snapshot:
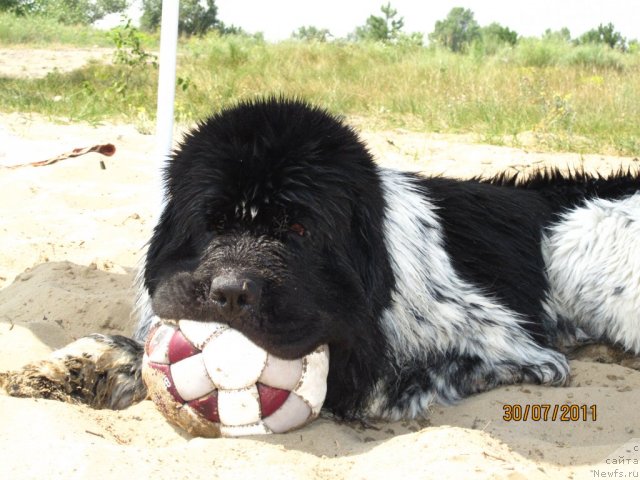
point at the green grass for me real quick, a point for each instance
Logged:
(38, 31)
(41, 31)
(584, 98)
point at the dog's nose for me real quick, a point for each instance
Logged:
(233, 296)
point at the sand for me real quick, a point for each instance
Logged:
(37, 63)
(71, 235)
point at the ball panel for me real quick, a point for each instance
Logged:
(233, 361)
(172, 408)
(193, 423)
(191, 378)
(198, 333)
(270, 398)
(165, 380)
(242, 430)
(158, 345)
(207, 406)
(294, 413)
(180, 348)
(152, 333)
(280, 373)
(239, 407)
(313, 383)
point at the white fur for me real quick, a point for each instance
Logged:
(433, 310)
(592, 256)
(142, 309)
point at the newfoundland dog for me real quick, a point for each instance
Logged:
(278, 222)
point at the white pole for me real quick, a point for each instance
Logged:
(164, 140)
(166, 87)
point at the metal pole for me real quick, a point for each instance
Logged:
(164, 141)
(166, 87)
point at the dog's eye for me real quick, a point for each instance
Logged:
(217, 224)
(297, 228)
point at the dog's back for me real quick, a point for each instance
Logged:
(561, 249)
(563, 190)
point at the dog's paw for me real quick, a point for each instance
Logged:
(102, 371)
(633, 362)
(41, 380)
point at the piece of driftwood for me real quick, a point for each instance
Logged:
(107, 149)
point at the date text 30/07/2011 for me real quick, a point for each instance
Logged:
(546, 412)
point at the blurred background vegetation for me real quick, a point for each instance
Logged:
(560, 92)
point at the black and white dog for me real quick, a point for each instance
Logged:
(278, 222)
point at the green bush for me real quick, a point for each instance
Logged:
(596, 56)
(67, 12)
(553, 51)
(535, 52)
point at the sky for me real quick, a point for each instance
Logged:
(277, 19)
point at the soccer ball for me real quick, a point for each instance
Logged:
(213, 381)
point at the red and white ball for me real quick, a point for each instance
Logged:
(212, 381)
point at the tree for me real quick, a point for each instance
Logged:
(225, 29)
(492, 40)
(564, 34)
(311, 33)
(196, 16)
(151, 15)
(83, 12)
(496, 33)
(381, 29)
(457, 31)
(604, 34)
(11, 6)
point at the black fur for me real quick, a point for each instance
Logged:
(493, 238)
(293, 165)
(565, 190)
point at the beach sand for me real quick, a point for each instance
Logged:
(71, 235)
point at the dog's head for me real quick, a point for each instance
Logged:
(273, 225)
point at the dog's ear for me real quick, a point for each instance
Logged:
(356, 359)
(171, 245)
(369, 251)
